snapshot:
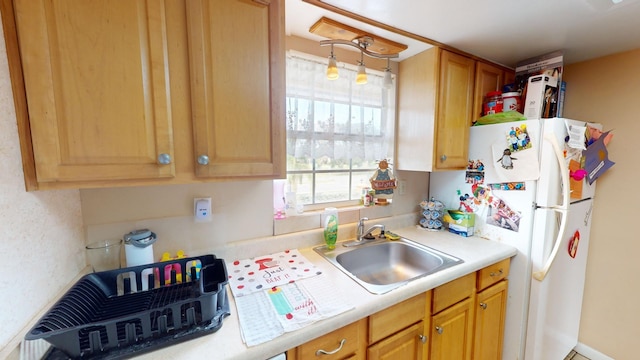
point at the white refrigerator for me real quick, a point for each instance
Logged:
(518, 185)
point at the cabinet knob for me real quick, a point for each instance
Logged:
(203, 160)
(324, 352)
(423, 339)
(439, 330)
(164, 159)
(483, 306)
(499, 273)
(443, 158)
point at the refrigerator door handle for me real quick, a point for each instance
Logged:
(563, 209)
(540, 275)
(562, 168)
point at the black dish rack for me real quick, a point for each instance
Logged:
(124, 312)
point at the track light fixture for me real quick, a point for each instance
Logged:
(332, 68)
(361, 44)
(387, 81)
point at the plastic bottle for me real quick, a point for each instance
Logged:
(330, 227)
(290, 203)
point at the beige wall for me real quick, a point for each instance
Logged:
(607, 90)
(40, 233)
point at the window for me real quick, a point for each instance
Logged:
(337, 130)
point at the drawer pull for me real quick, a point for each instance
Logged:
(439, 330)
(499, 273)
(422, 338)
(323, 352)
(483, 306)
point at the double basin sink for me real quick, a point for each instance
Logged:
(382, 265)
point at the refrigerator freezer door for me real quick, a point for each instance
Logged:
(556, 302)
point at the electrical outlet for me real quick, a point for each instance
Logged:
(402, 187)
(202, 209)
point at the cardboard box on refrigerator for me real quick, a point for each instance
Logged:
(541, 97)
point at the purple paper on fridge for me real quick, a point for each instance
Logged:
(597, 159)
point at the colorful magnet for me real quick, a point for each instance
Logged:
(573, 244)
(508, 186)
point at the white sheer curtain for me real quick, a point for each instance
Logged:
(336, 122)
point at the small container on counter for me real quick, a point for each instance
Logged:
(138, 246)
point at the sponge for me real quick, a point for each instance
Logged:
(391, 236)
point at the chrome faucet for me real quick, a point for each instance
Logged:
(362, 236)
(360, 232)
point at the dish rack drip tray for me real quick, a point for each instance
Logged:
(118, 313)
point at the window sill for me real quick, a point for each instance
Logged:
(314, 219)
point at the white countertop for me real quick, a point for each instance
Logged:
(227, 343)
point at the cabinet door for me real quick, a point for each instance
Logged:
(455, 106)
(97, 88)
(407, 344)
(491, 305)
(488, 78)
(236, 51)
(452, 332)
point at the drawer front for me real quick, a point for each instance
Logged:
(493, 273)
(326, 347)
(453, 292)
(397, 317)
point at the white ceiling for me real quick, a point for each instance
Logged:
(504, 31)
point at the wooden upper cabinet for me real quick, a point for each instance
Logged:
(454, 111)
(434, 106)
(488, 78)
(97, 89)
(236, 51)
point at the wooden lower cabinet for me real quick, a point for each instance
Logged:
(491, 308)
(452, 332)
(452, 320)
(460, 320)
(409, 343)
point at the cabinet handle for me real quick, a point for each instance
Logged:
(483, 306)
(422, 338)
(499, 273)
(164, 159)
(323, 352)
(203, 160)
(439, 330)
(443, 158)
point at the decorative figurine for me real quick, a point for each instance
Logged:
(383, 182)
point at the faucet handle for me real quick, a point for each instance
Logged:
(363, 219)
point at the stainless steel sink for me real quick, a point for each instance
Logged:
(382, 265)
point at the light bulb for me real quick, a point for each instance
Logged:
(332, 68)
(361, 77)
